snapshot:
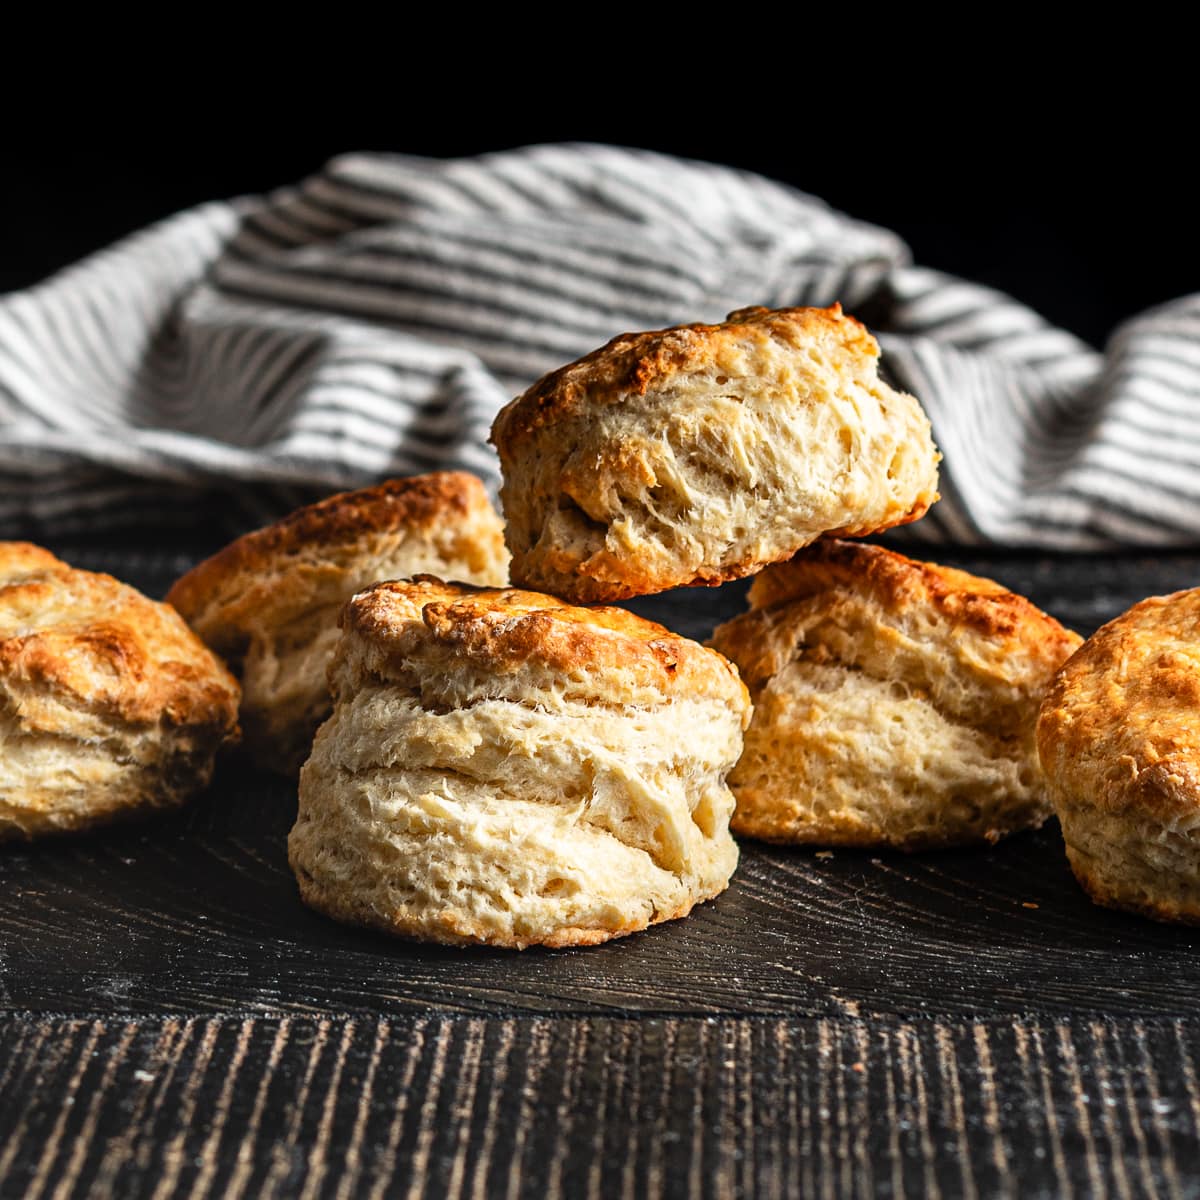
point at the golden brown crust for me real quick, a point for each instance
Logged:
(970, 602)
(19, 559)
(332, 529)
(109, 705)
(630, 364)
(503, 629)
(89, 641)
(1120, 723)
(698, 454)
(850, 835)
(1100, 890)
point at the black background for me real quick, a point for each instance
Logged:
(1056, 174)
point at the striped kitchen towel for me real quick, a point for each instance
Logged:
(372, 320)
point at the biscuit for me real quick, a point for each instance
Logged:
(503, 768)
(109, 706)
(1119, 738)
(701, 453)
(894, 702)
(268, 603)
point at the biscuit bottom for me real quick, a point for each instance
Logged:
(561, 822)
(63, 783)
(1140, 866)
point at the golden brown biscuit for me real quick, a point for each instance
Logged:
(1119, 738)
(698, 454)
(894, 702)
(109, 706)
(268, 603)
(503, 768)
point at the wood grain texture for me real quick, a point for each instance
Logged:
(201, 915)
(345, 1106)
(173, 1022)
(199, 912)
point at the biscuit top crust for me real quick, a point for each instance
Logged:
(896, 582)
(505, 631)
(88, 642)
(330, 531)
(1121, 724)
(632, 364)
(1001, 622)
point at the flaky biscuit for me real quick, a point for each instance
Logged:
(503, 768)
(701, 453)
(894, 702)
(1119, 738)
(268, 603)
(109, 706)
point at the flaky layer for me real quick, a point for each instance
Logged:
(504, 814)
(1127, 861)
(1120, 743)
(269, 602)
(66, 783)
(894, 702)
(109, 706)
(698, 454)
(838, 758)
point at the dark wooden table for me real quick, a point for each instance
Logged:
(175, 1023)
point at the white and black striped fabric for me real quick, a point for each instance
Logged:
(372, 320)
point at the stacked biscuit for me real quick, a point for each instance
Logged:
(894, 701)
(504, 767)
(485, 763)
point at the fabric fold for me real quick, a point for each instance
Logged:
(371, 321)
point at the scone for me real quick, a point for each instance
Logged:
(701, 453)
(895, 702)
(111, 706)
(1119, 738)
(504, 768)
(268, 603)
